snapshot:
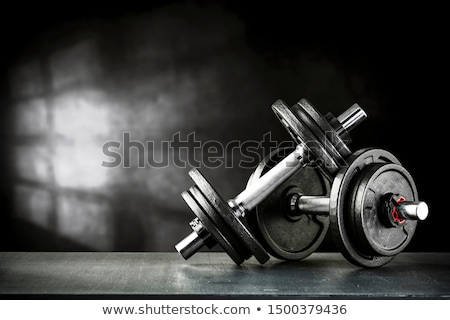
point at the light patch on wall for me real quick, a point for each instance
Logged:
(82, 115)
(81, 122)
(62, 117)
(78, 165)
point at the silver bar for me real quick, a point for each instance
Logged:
(313, 205)
(189, 245)
(413, 210)
(352, 117)
(257, 192)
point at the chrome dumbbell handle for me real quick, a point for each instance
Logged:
(250, 197)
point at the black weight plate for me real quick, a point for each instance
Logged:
(326, 127)
(303, 135)
(282, 237)
(340, 227)
(225, 230)
(229, 217)
(211, 227)
(306, 113)
(376, 181)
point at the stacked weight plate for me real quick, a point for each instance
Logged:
(221, 221)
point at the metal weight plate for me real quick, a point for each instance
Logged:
(281, 236)
(301, 133)
(375, 182)
(324, 132)
(341, 188)
(212, 229)
(325, 126)
(227, 214)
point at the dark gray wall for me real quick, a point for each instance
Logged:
(75, 82)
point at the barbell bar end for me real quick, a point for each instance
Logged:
(189, 245)
(413, 210)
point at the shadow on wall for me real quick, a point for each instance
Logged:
(173, 72)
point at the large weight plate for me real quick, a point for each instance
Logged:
(377, 180)
(341, 188)
(226, 212)
(282, 237)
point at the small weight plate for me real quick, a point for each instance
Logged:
(285, 238)
(325, 133)
(340, 227)
(326, 127)
(211, 227)
(303, 135)
(226, 212)
(377, 180)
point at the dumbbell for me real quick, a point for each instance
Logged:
(373, 209)
(322, 147)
